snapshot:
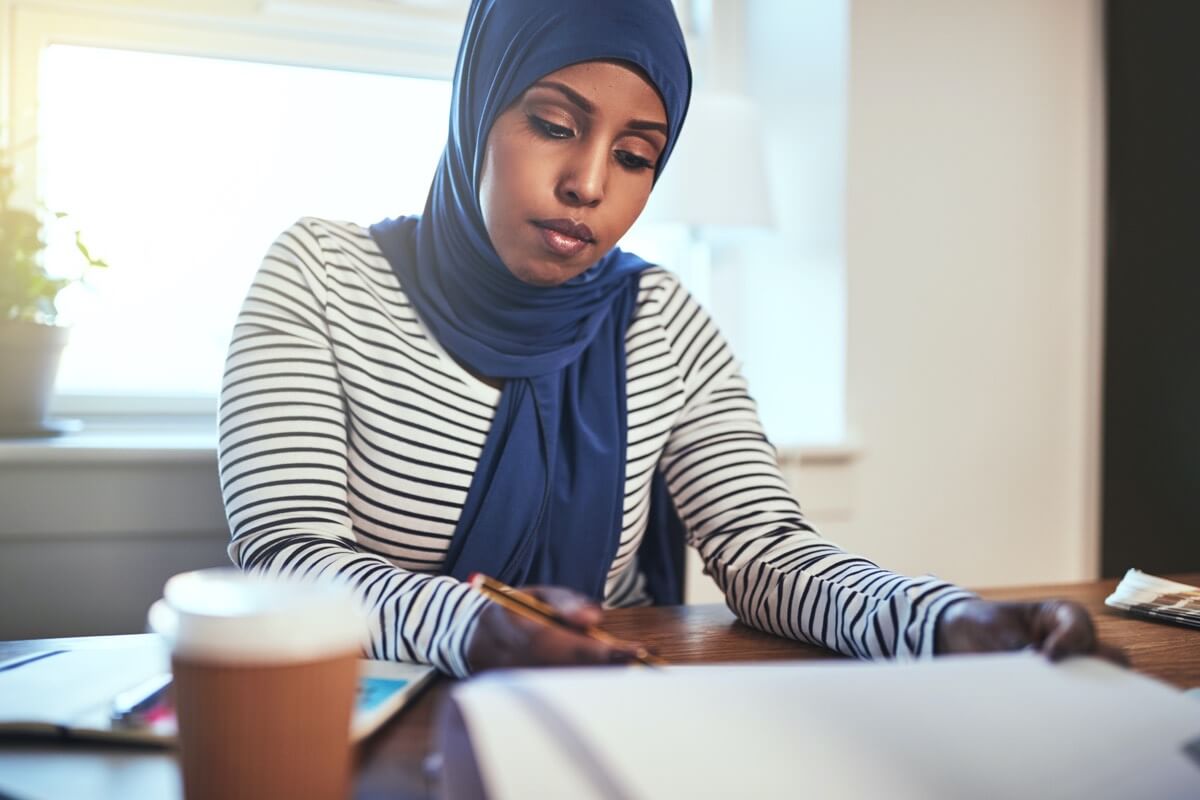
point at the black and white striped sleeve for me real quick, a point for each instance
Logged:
(283, 464)
(778, 574)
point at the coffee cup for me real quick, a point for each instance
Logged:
(265, 672)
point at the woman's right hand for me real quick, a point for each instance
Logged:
(503, 639)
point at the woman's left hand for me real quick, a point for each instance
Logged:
(1055, 628)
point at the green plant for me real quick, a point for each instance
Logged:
(26, 291)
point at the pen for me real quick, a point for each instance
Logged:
(529, 607)
(129, 707)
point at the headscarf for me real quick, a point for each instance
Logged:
(546, 502)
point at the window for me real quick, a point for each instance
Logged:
(183, 177)
(181, 137)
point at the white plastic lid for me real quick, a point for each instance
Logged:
(228, 615)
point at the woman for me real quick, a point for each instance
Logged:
(495, 386)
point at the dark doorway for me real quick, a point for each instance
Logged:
(1151, 423)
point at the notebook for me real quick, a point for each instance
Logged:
(994, 726)
(70, 693)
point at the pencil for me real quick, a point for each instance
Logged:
(529, 607)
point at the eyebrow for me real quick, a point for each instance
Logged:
(586, 105)
(647, 125)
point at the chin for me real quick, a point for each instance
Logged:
(545, 275)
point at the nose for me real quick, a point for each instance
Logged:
(584, 176)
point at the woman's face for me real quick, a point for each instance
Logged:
(568, 167)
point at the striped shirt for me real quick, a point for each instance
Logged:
(348, 438)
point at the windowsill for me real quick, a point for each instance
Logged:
(194, 438)
(120, 440)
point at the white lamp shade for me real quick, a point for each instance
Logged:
(716, 176)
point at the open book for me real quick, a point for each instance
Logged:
(1157, 598)
(71, 694)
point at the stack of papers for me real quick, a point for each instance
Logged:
(1157, 598)
(996, 726)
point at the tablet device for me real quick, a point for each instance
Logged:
(80, 694)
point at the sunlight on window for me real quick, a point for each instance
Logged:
(180, 171)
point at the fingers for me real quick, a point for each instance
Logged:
(1069, 631)
(558, 646)
(503, 639)
(1063, 629)
(565, 647)
(573, 606)
(1055, 628)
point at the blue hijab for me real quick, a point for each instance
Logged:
(546, 502)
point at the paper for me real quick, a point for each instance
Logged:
(75, 688)
(999, 726)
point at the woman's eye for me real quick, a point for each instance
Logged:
(550, 129)
(632, 162)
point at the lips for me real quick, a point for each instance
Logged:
(565, 237)
(576, 230)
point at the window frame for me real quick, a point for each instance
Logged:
(408, 42)
(408, 38)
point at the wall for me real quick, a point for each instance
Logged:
(92, 526)
(973, 229)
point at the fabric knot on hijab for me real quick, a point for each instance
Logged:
(546, 502)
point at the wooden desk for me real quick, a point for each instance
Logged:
(391, 764)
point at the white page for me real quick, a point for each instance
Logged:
(996, 726)
(76, 688)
